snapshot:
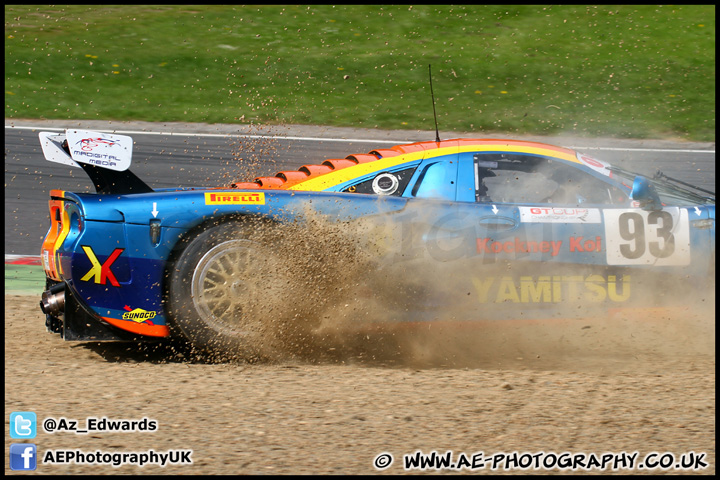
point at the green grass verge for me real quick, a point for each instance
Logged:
(641, 71)
(24, 279)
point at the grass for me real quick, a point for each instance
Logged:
(635, 71)
(24, 279)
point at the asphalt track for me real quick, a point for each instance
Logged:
(169, 155)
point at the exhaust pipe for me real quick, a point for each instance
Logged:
(53, 300)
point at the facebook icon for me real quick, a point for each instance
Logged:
(23, 456)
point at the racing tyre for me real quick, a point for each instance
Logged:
(224, 288)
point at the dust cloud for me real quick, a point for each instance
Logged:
(366, 292)
(357, 292)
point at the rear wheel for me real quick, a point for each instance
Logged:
(223, 286)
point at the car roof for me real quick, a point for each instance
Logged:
(333, 172)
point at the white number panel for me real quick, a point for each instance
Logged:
(639, 237)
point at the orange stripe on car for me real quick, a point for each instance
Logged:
(59, 228)
(423, 150)
(333, 172)
(139, 328)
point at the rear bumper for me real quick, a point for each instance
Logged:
(65, 315)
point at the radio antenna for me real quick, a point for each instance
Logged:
(437, 133)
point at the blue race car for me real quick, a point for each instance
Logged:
(502, 230)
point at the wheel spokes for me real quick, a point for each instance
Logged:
(220, 287)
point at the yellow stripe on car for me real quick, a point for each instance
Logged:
(333, 179)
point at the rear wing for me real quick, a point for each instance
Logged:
(105, 157)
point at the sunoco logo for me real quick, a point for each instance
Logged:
(138, 315)
(235, 198)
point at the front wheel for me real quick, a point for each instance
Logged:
(224, 287)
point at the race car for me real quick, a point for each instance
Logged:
(500, 229)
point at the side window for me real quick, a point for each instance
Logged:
(516, 186)
(384, 183)
(573, 187)
(508, 178)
